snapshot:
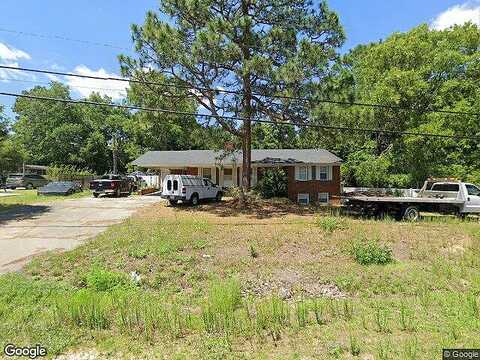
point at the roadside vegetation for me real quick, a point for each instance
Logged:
(218, 283)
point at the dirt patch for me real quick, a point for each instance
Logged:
(290, 284)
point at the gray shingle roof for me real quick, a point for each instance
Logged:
(153, 159)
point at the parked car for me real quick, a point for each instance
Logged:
(28, 181)
(60, 188)
(188, 188)
(111, 185)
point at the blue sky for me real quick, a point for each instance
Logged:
(107, 22)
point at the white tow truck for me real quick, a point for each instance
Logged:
(444, 196)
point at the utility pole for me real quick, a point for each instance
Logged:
(114, 153)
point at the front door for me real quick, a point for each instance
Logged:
(472, 205)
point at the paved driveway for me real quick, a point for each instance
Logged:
(30, 230)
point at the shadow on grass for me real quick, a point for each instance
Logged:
(10, 212)
(258, 209)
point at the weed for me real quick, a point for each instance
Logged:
(319, 310)
(138, 252)
(410, 349)
(354, 345)
(103, 280)
(347, 310)
(218, 311)
(384, 349)
(85, 309)
(301, 312)
(330, 223)
(371, 252)
(406, 318)
(253, 251)
(382, 318)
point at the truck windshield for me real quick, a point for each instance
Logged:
(472, 190)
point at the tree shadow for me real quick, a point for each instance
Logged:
(9, 212)
(258, 209)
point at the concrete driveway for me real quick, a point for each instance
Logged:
(62, 225)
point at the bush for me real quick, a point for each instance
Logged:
(104, 280)
(371, 252)
(67, 172)
(274, 183)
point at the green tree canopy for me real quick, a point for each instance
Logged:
(255, 48)
(420, 70)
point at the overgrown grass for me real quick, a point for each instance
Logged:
(195, 298)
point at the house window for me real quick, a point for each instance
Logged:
(207, 173)
(303, 199)
(302, 174)
(323, 173)
(323, 198)
(228, 177)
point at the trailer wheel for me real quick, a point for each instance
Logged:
(411, 213)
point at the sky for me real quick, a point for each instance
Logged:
(32, 34)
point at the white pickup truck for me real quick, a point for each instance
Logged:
(445, 197)
(189, 188)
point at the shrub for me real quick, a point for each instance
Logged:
(274, 183)
(104, 280)
(67, 172)
(371, 252)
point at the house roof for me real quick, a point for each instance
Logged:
(153, 159)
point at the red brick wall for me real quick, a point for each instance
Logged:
(188, 171)
(313, 187)
(192, 171)
(177, 171)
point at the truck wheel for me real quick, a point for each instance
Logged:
(218, 198)
(411, 213)
(173, 202)
(194, 200)
(29, 186)
(95, 195)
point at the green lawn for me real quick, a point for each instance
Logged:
(27, 197)
(216, 283)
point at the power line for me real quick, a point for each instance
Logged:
(190, 88)
(73, 86)
(237, 118)
(64, 38)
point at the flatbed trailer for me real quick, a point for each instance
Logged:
(455, 198)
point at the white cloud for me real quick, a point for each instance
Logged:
(85, 86)
(457, 15)
(53, 77)
(8, 53)
(9, 56)
(7, 75)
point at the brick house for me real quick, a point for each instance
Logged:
(313, 174)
